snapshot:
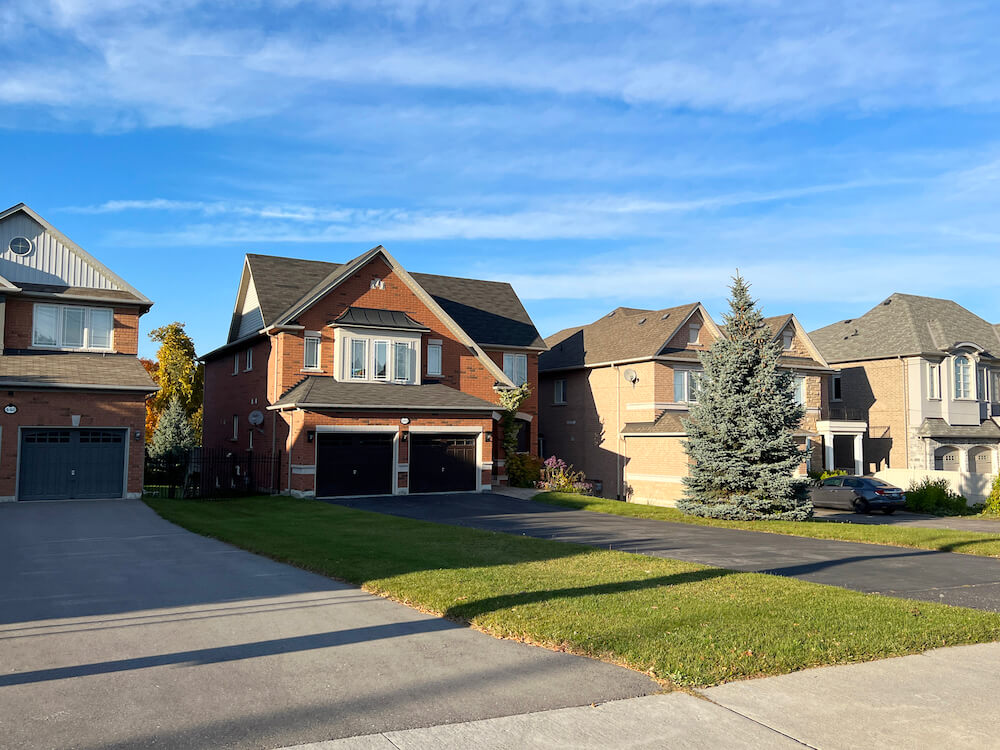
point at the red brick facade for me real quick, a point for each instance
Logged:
(278, 366)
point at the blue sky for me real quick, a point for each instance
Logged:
(594, 154)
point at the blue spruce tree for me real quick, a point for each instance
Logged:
(173, 434)
(740, 432)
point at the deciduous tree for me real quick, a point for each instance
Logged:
(179, 376)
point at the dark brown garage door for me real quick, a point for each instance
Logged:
(71, 464)
(443, 463)
(349, 463)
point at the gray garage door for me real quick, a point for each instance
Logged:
(71, 464)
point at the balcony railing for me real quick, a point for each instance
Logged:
(847, 414)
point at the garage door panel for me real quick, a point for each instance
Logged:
(71, 464)
(443, 463)
(354, 464)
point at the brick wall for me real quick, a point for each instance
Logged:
(654, 469)
(55, 409)
(876, 387)
(19, 320)
(227, 394)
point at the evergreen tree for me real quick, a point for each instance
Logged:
(740, 432)
(173, 434)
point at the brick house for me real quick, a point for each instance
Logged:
(613, 394)
(920, 376)
(367, 379)
(74, 391)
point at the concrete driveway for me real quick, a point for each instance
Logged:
(962, 580)
(120, 630)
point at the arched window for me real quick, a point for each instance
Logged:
(963, 377)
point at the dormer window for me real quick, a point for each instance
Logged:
(72, 327)
(963, 377)
(694, 331)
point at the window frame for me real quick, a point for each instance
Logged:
(387, 345)
(435, 346)
(248, 364)
(689, 380)
(694, 333)
(59, 327)
(515, 358)
(236, 427)
(787, 338)
(799, 391)
(307, 340)
(933, 381)
(350, 362)
(836, 384)
(968, 378)
(559, 391)
(398, 346)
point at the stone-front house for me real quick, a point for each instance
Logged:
(74, 392)
(922, 376)
(613, 393)
(369, 380)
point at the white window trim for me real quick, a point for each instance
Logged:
(87, 328)
(933, 381)
(800, 385)
(248, 365)
(388, 364)
(556, 398)
(971, 365)
(319, 353)
(343, 338)
(350, 358)
(236, 363)
(688, 376)
(236, 427)
(440, 359)
(515, 358)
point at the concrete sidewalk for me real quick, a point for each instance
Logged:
(941, 699)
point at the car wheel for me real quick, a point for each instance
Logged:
(861, 505)
(889, 511)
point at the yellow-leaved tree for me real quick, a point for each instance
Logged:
(179, 376)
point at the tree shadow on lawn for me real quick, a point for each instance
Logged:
(471, 610)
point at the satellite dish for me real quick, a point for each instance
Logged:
(631, 375)
(256, 417)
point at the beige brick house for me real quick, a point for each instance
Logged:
(613, 393)
(922, 376)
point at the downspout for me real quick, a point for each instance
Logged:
(288, 450)
(274, 414)
(906, 413)
(618, 434)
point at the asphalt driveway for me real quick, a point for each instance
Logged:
(962, 580)
(120, 630)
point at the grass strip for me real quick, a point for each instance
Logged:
(683, 623)
(942, 540)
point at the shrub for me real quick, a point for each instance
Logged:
(523, 470)
(558, 476)
(993, 501)
(935, 496)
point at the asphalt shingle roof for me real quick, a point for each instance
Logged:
(668, 421)
(367, 317)
(59, 369)
(325, 391)
(905, 325)
(488, 311)
(81, 291)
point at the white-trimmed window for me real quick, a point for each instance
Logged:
(963, 377)
(982, 384)
(72, 327)
(359, 359)
(559, 391)
(800, 390)
(836, 387)
(995, 386)
(686, 386)
(694, 332)
(933, 381)
(402, 365)
(310, 360)
(249, 363)
(236, 427)
(236, 364)
(786, 340)
(434, 358)
(515, 367)
(380, 365)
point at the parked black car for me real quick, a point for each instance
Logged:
(860, 494)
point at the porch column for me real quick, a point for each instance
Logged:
(859, 454)
(828, 450)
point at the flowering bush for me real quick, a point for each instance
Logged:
(558, 476)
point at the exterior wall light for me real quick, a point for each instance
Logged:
(310, 435)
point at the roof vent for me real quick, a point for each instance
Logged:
(887, 301)
(641, 321)
(612, 313)
(665, 316)
(848, 321)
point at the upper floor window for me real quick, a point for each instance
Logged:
(359, 358)
(694, 331)
(66, 327)
(994, 386)
(800, 390)
(686, 385)
(434, 358)
(836, 389)
(310, 360)
(236, 364)
(559, 391)
(963, 377)
(786, 340)
(249, 363)
(379, 359)
(402, 361)
(515, 367)
(933, 380)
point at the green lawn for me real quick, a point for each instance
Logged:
(685, 624)
(944, 540)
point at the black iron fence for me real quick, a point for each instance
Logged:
(212, 473)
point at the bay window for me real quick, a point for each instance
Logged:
(515, 367)
(401, 367)
(72, 327)
(381, 358)
(359, 358)
(381, 365)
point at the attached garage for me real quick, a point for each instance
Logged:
(70, 464)
(443, 463)
(354, 463)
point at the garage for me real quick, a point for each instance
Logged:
(443, 463)
(353, 463)
(71, 464)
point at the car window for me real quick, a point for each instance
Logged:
(853, 482)
(878, 483)
(833, 481)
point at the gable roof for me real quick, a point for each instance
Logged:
(57, 264)
(906, 325)
(488, 311)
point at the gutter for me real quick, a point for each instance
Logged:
(79, 386)
(380, 407)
